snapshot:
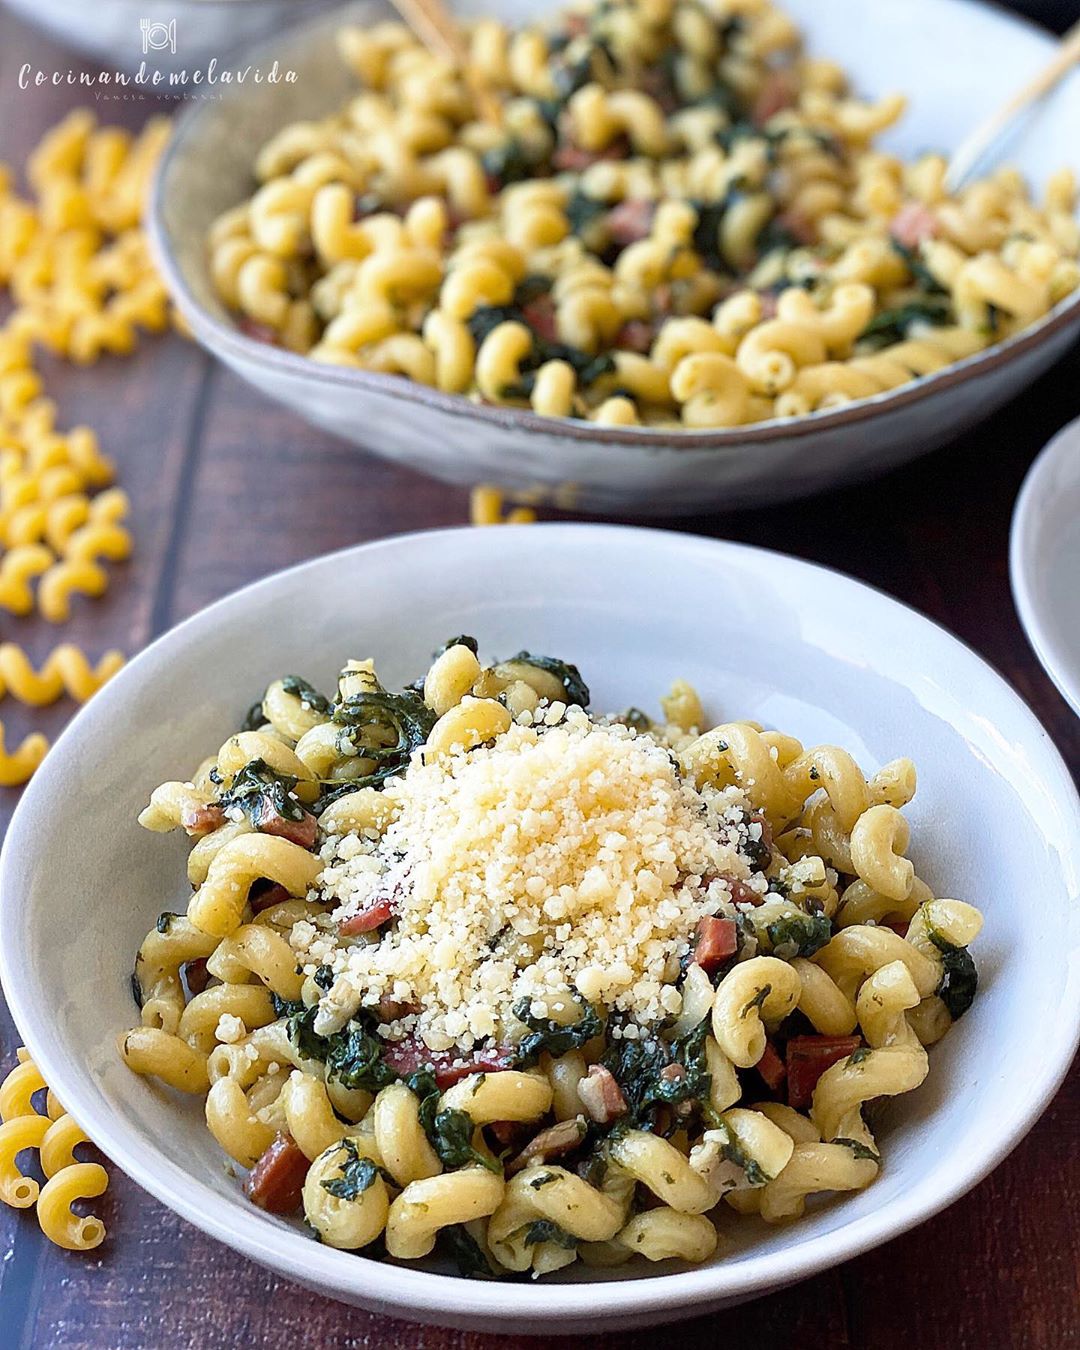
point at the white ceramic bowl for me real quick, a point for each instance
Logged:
(179, 34)
(1044, 560)
(996, 821)
(956, 59)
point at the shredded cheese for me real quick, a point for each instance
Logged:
(567, 856)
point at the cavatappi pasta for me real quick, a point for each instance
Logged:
(678, 219)
(55, 1136)
(468, 969)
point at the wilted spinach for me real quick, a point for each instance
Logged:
(959, 980)
(574, 687)
(257, 790)
(357, 1175)
(546, 1034)
(799, 934)
(307, 693)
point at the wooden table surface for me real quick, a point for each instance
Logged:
(227, 487)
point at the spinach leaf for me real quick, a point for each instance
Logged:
(583, 211)
(466, 1251)
(483, 321)
(545, 1034)
(543, 1230)
(257, 790)
(307, 693)
(451, 1137)
(577, 691)
(919, 271)
(859, 1056)
(462, 640)
(164, 921)
(959, 980)
(386, 728)
(859, 1150)
(254, 718)
(287, 1007)
(733, 1151)
(639, 1066)
(892, 325)
(512, 162)
(449, 1132)
(353, 1056)
(357, 1175)
(799, 935)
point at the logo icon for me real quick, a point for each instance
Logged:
(158, 37)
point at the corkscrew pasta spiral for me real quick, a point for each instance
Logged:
(426, 1105)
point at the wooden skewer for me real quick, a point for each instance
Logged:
(973, 149)
(436, 29)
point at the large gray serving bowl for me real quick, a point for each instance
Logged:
(956, 59)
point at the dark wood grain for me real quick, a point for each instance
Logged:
(226, 488)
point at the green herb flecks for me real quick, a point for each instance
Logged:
(860, 1150)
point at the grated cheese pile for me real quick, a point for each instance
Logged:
(568, 855)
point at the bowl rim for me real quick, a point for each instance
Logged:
(404, 1291)
(221, 337)
(1024, 533)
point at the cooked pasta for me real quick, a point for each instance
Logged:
(472, 970)
(675, 218)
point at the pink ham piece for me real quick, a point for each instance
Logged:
(631, 220)
(200, 820)
(601, 1095)
(367, 920)
(717, 939)
(408, 1055)
(913, 224)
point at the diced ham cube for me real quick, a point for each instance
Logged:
(200, 820)
(266, 894)
(196, 974)
(771, 1067)
(913, 224)
(631, 220)
(807, 1059)
(276, 1182)
(539, 314)
(717, 939)
(267, 820)
(368, 919)
(601, 1095)
(636, 335)
(571, 158)
(408, 1055)
(553, 1142)
(779, 91)
(799, 225)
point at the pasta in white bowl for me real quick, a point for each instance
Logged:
(635, 1175)
(679, 269)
